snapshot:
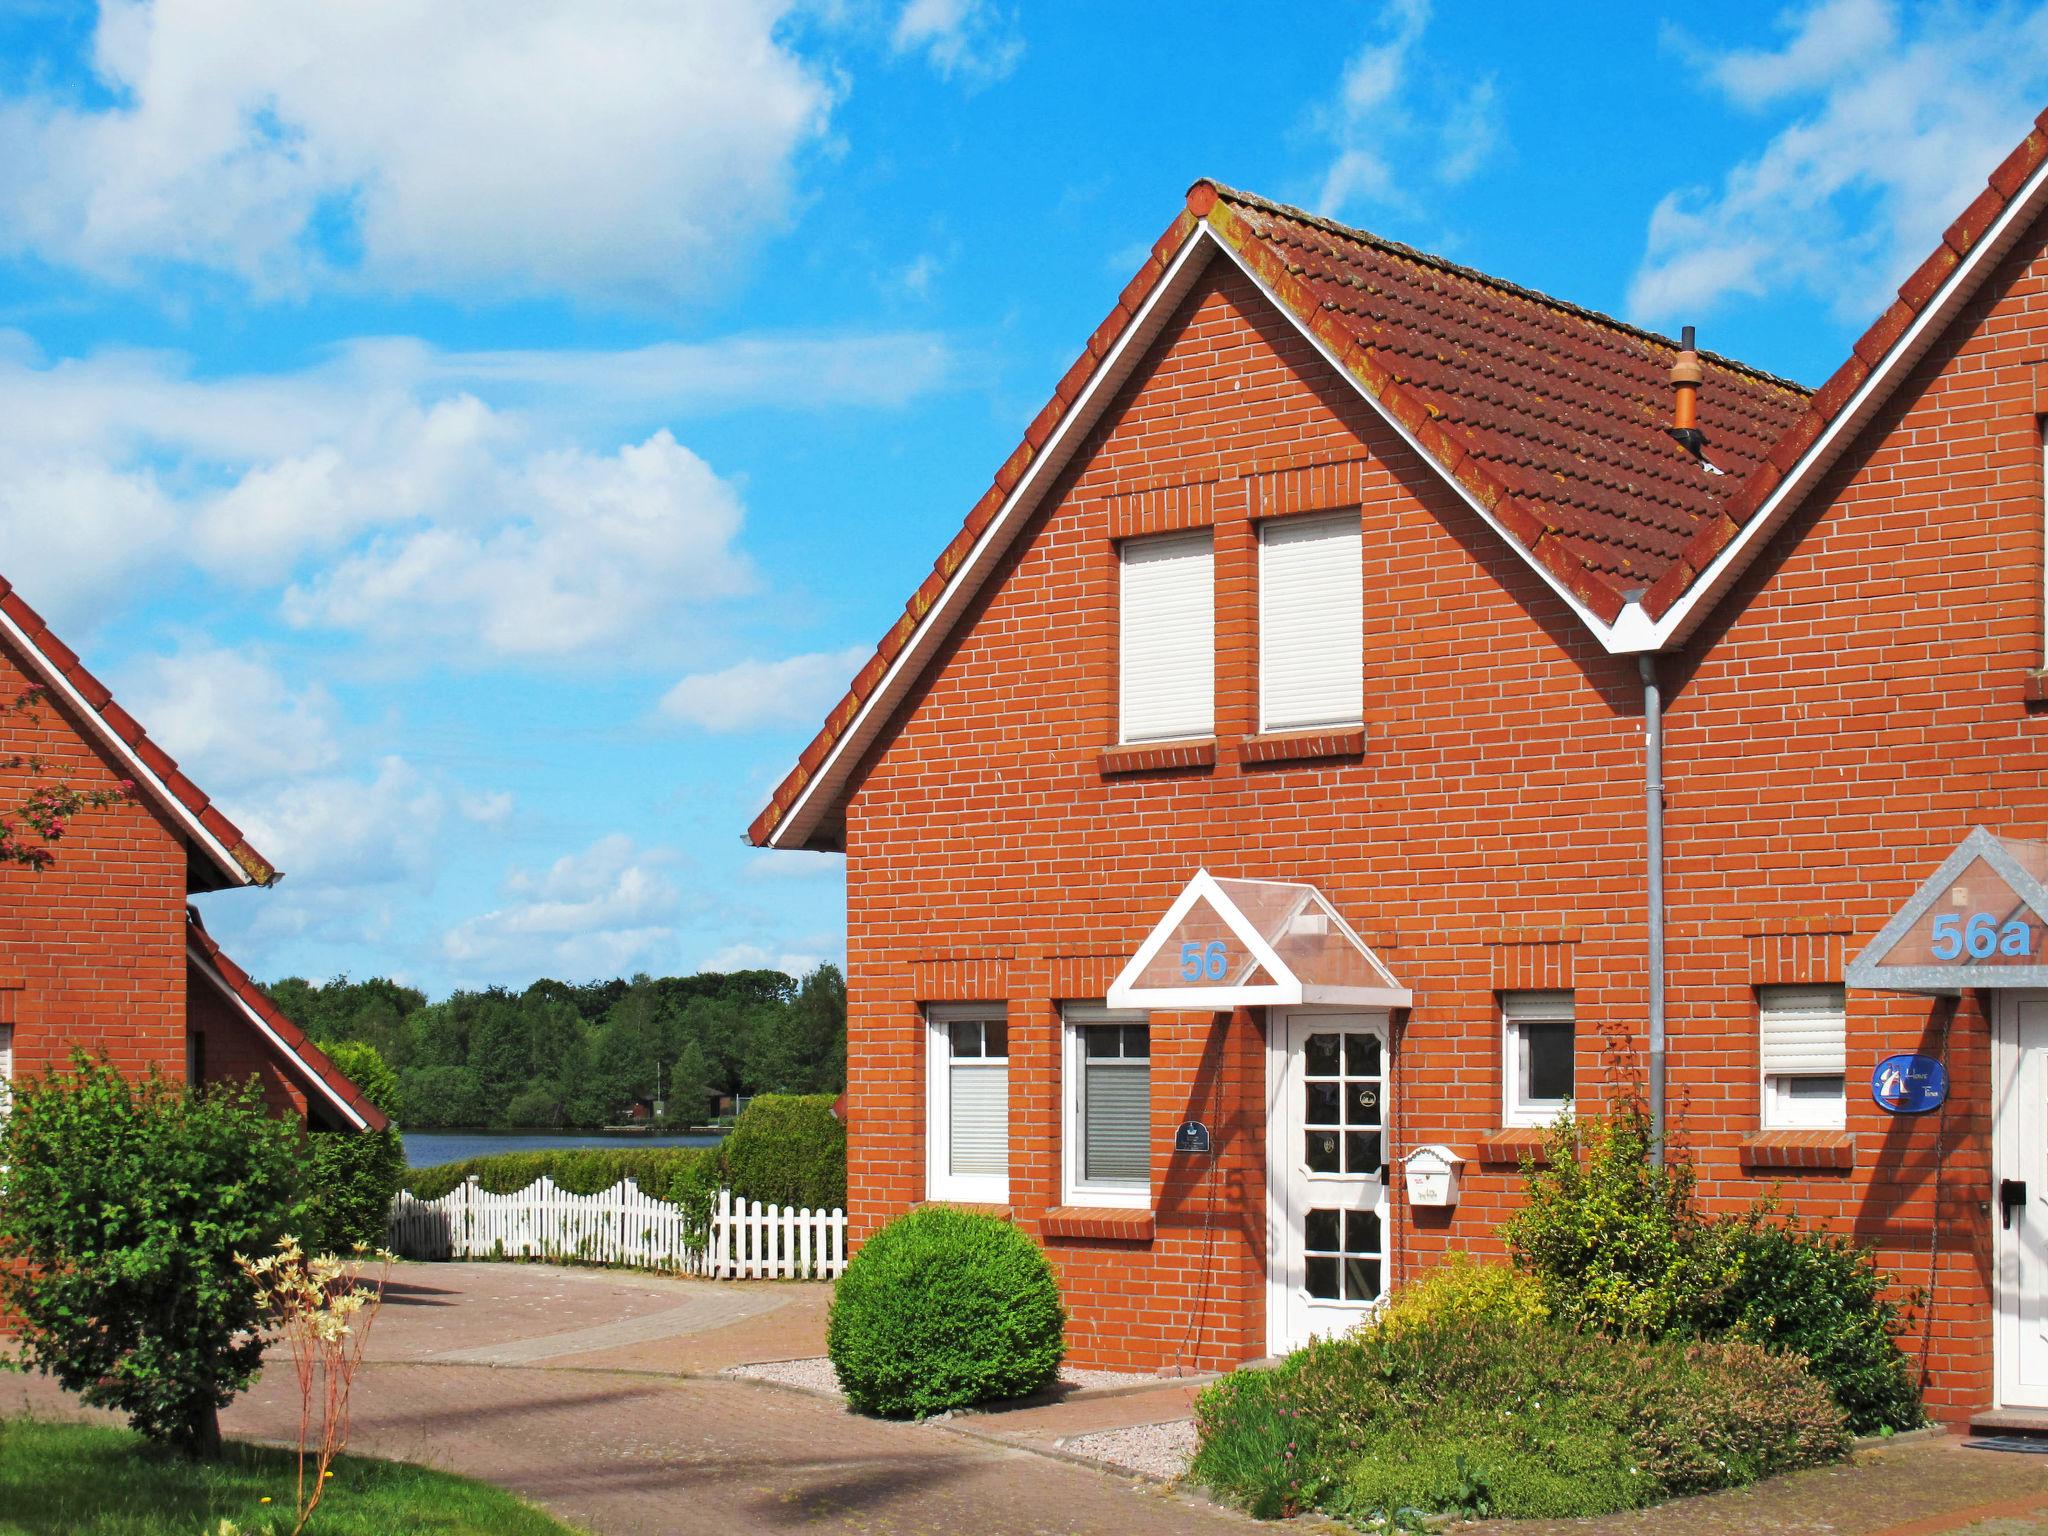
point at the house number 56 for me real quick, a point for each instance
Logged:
(1980, 937)
(1203, 962)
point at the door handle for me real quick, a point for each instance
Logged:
(2012, 1195)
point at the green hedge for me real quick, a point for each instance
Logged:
(659, 1171)
(788, 1150)
(943, 1309)
(350, 1176)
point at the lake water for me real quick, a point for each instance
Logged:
(423, 1149)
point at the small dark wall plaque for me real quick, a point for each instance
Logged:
(1193, 1136)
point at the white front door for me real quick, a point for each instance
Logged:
(2019, 1199)
(1326, 1167)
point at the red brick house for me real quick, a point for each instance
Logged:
(1377, 704)
(101, 950)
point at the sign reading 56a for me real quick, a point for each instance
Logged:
(1980, 935)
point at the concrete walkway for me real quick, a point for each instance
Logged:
(599, 1395)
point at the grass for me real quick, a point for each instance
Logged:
(81, 1480)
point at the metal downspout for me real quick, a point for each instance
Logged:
(1653, 804)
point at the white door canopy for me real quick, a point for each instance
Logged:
(1227, 944)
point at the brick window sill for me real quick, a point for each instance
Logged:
(1117, 1223)
(1159, 757)
(1512, 1145)
(1799, 1149)
(1302, 746)
(975, 1207)
(2034, 685)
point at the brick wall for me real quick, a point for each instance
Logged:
(233, 1052)
(97, 942)
(1857, 707)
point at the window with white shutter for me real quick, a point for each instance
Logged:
(1311, 623)
(967, 1127)
(1108, 1154)
(1167, 637)
(1802, 1048)
(1539, 1045)
(6, 1068)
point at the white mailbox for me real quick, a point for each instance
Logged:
(1433, 1175)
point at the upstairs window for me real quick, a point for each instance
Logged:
(1311, 623)
(1539, 1036)
(967, 1126)
(1803, 1050)
(1167, 637)
(1109, 1107)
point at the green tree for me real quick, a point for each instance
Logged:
(818, 1029)
(125, 1205)
(441, 1096)
(689, 1094)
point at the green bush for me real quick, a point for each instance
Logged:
(1614, 1237)
(1820, 1296)
(663, 1172)
(352, 1175)
(1496, 1414)
(788, 1150)
(945, 1309)
(124, 1207)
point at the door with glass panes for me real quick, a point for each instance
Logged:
(1328, 1164)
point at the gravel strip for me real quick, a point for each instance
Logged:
(1153, 1450)
(816, 1375)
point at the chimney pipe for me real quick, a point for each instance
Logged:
(1685, 377)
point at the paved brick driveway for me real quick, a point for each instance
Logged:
(596, 1394)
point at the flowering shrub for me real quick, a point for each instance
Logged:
(316, 1309)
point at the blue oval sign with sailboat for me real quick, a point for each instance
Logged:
(1908, 1084)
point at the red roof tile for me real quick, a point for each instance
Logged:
(58, 664)
(302, 1058)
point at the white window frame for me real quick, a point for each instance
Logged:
(6, 1069)
(940, 1182)
(1075, 1187)
(1349, 524)
(1779, 1110)
(1206, 539)
(1532, 1007)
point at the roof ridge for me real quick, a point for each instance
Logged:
(1474, 274)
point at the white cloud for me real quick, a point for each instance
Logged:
(487, 808)
(1901, 116)
(458, 146)
(338, 831)
(973, 40)
(402, 498)
(752, 694)
(230, 719)
(594, 552)
(1375, 126)
(598, 912)
(756, 957)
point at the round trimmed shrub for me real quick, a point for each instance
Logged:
(945, 1309)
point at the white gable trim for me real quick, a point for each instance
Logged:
(138, 770)
(1685, 615)
(205, 967)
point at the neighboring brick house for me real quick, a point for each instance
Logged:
(101, 950)
(1357, 581)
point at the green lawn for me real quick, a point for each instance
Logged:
(85, 1481)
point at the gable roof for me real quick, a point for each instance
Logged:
(218, 840)
(1881, 360)
(296, 1053)
(1545, 417)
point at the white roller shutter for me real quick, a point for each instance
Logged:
(1167, 642)
(1116, 1122)
(978, 1129)
(1311, 623)
(1803, 1031)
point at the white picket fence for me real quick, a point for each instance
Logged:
(623, 1226)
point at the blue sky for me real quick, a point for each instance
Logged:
(481, 440)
